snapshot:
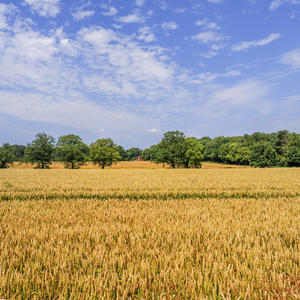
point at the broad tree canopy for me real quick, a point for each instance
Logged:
(104, 152)
(6, 155)
(71, 151)
(40, 151)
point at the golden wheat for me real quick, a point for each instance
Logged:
(150, 234)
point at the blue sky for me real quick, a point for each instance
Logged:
(132, 70)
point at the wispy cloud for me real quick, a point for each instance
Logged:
(110, 11)
(246, 45)
(146, 34)
(154, 130)
(5, 10)
(215, 1)
(133, 18)
(169, 26)
(291, 58)
(276, 3)
(140, 2)
(80, 14)
(45, 8)
(205, 23)
(209, 37)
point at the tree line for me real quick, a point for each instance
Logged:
(280, 149)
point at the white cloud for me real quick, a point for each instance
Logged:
(291, 58)
(32, 46)
(215, 1)
(78, 113)
(246, 92)
(207, 24)
(146, 34)
(4, 11)
(163, 4)
(140, 2)
(79, 15)
(208, 76)
(154, 130)
(44, 8)
(209, 37)
(246, 45)
(277, 3)
(169, 26)
(209, 54)
(110, 12)
(247, 96)
(134, 18)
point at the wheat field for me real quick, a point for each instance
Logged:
(150, 234)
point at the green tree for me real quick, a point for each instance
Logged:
(71, 151)
(149, 153)
(211, 151)
(293, 156)
(133, 153)
(122, 153)
(104, 153)
(293, 150)
(19, 151)
(40, 151)
(171, 149)
(243, 155)
(282, 140)
(262, 155)
(194, 153)
(7, 155)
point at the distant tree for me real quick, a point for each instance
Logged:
(71, 151)
(104, 153)
(293, 150)
(19, 151)
(133, 153)
(243, 155)
(211, 151)
(122, 153)
(204, 140)
(262, 155)
(7, 155)
(293, 156)
(149, 153)
(40, 151)
(282, 140)
(194, 153)
(171, 149)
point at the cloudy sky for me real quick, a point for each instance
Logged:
(132, 70)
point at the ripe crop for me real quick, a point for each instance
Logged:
(150, 234)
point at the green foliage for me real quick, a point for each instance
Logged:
(149, 153)
(133, 153)
(194, 153)
(211, 151)
(293, 156)
(71, 151)
(171, 149)
(40, 151)
(262, 155)
(104, 152)
(178, 151)
(122, 153)
(281, 142)
(19, 151)
(7, 155)
(243, 155)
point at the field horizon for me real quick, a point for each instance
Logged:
(128, 165)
